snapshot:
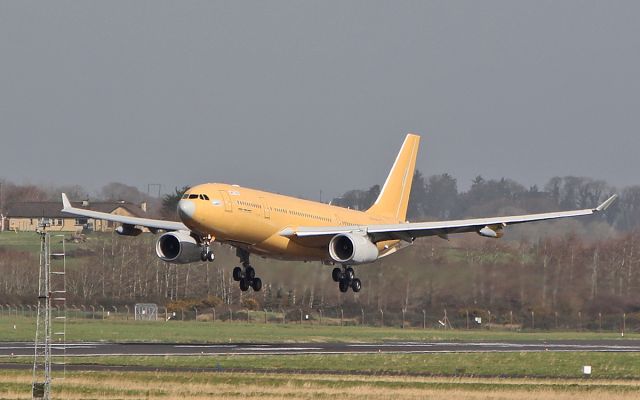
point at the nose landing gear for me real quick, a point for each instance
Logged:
(207, 254)
(346, 279)
(246, 275)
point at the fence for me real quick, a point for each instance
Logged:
(466, 319)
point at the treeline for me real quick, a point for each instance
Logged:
(562, 275)
(556, 273)
(437, 197)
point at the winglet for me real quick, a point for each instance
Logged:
(66, 204)
(606, 203)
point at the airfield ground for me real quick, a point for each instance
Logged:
(541, 365)
(459, 375)
(21, 328)
(207, 385)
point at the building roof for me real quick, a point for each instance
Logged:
(51, 209)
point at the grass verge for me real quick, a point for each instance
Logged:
(532, 365)
(21, 328)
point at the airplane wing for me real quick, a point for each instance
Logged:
(123, 219)
(490, 227)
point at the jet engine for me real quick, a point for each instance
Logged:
(351, 249)
(178, 248)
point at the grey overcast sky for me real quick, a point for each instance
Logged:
(299, 96)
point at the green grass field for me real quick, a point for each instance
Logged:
(30, 241)
(225, 332)
(552, 365)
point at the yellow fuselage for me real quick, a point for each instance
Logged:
(253, 219)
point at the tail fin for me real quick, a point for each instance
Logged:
(394, 196)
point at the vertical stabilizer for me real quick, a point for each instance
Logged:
(394, 196)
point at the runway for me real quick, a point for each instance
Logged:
(8, 349)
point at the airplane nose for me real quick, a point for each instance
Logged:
(186, 208)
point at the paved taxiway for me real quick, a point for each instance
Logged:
(162, 349)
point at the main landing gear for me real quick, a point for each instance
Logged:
(346, 279)
(246, 275)
(207, 254)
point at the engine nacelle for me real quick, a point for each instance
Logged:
(351, 249)
(128, 230)
(178, 248)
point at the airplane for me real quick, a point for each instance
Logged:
(288, 228)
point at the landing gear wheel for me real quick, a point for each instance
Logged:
(246, 274)
(207, 255)
(237, 274)
(336, 274)
(356, 285)
(346, 278)
(349, 273)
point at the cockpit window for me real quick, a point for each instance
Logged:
(196, 196)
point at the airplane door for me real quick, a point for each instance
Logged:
(227, 201)
(265, 208)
